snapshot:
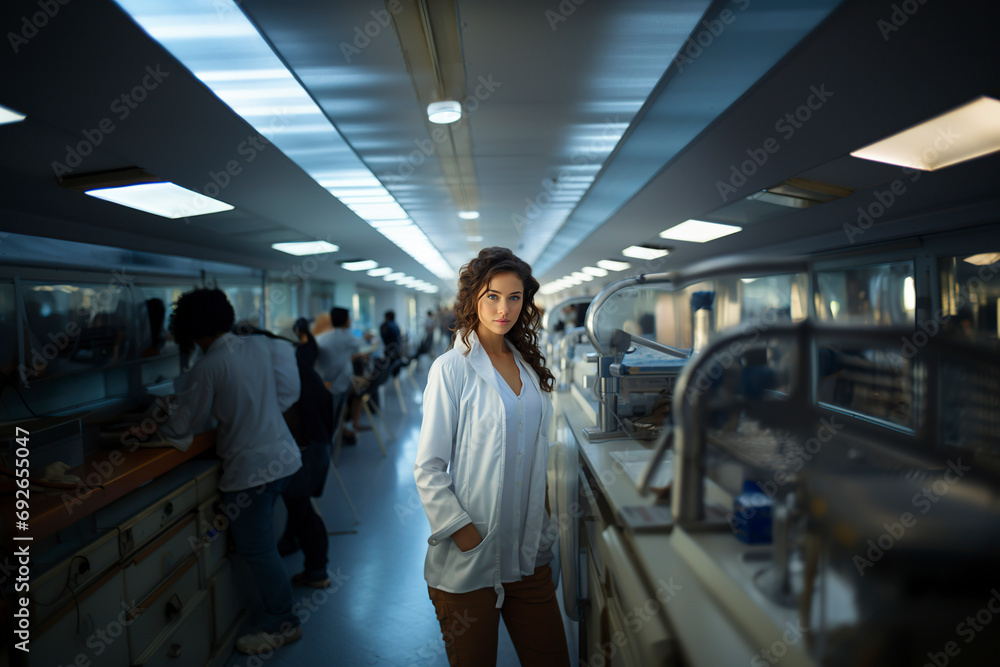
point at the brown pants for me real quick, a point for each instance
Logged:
(470, 623)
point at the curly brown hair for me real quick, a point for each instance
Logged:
(475, 278)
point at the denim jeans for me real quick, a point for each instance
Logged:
(253, 533)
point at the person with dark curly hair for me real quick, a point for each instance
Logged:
(245, 383)
(481, 468)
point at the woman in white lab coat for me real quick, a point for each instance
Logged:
(480, 470)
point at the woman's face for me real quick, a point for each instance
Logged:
(500, 303)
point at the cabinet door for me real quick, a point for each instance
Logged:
(89, 631)
(189, 644)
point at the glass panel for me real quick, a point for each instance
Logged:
(75, 327)
(8, 331)
(970, 295)
(364, 312)
(282, 307)
(246, 300)
(881, 295)
(874, 381)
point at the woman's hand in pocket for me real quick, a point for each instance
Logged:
(467, 537)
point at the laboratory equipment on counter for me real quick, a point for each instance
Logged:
(885, 498)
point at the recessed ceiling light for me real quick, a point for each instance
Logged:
(699, 231)
(361, 265)
(393, 277)
(613, 265)
(644, 252)
(305, 247)
(444, 112)
(580, 275)
(10, 116)
(594, 271)
(381, 271)
(164, 199)
(968, 132)
(468, 215)
(571, 280)
(475, 239)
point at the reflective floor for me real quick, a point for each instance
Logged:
(377, 612)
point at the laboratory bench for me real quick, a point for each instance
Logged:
(652, 592)
(130, 567)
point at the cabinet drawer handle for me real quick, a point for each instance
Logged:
(174, 606)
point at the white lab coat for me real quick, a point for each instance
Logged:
(460, 468)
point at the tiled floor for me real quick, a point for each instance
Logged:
(380, 614)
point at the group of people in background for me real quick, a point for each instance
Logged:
(277, 404)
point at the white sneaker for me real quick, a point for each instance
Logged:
(265, 642)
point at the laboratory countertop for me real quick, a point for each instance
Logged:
(718, 614)
(106, 475)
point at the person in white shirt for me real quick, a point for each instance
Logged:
(339, 349)
(245, 383)
(481, 469)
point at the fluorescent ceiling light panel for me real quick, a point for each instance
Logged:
(594, 271)
(164, 199)
(393, 277)
(212, 38)
(468, 215)
(444, 112)
(984, 259)
(699, 231)
(306, 247)
(381, 271)
(613, 265)
(642, 252)
(10, 116)
(361, 265)
(970, 131)
(584, 277)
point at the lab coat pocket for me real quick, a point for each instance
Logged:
(486, 537)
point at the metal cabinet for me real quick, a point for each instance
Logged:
(147, 569)
(90, 630)
(52, 590)
(161, 612)
(188, 644)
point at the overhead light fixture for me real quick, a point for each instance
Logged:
(468, 215)
(644, 252)
(699, 231)
(613, 265)
(136, 189)
(594, 271)
(360, 265)
(381, 271)
(584, 277)
(8, 115)
(475, 239)
(970, 131)
(984, 259)
(444, 112)
(393, 277)
(300, 248)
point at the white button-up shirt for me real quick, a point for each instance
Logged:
(334, 361)
(523, 414)
(245, 383)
